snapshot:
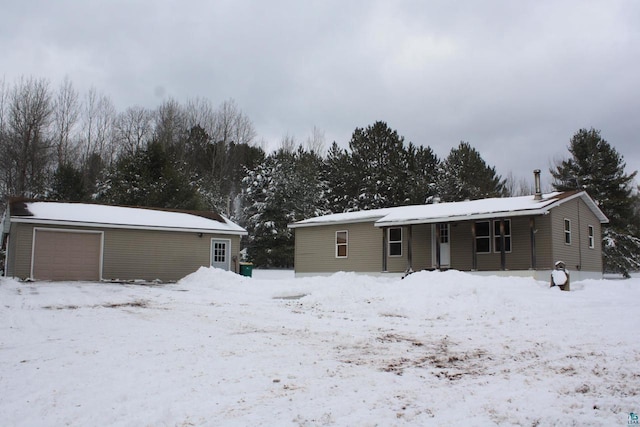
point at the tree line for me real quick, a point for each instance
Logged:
(57, 144)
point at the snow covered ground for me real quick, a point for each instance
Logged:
(220, 349)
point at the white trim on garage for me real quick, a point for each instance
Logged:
(64, 230)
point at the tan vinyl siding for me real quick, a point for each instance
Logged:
(577, 255)
(163, 255)
(20, 241)
(399, 264)
(315, 249)
(132, 254)
(460, 246)
(422, 255)
(544, 243)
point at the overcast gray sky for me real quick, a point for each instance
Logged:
(516, 79)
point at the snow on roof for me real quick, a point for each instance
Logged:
(122, 217)
(344, 218)
(454, 211)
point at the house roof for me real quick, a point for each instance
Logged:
(456, 211)
(94, 215)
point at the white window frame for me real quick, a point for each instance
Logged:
(497, 236)
(487, 237)
(567, 232)
(592, 240)
(345, 244)
(394, 242)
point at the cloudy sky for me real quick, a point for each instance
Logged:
(515, 79)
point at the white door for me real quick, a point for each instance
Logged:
(445, 250)
(220, 253)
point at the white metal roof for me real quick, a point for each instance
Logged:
(93, 215)
(455, 211)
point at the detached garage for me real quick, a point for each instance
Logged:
(81, 241)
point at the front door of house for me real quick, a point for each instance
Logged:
(445, 250)
(220, 253)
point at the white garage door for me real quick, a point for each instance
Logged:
(66, 255)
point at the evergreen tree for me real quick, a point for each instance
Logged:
(69, 184)
(422, 167)
(147, 177)
(341, 185)
(285, 188)
(466, 176)
(379, 168)
(597, 168)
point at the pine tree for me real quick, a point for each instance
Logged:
(337, 173)
(597, 168)
(466, 176)
(285, 188)
(147, 177)
(68, 184)
(379, 167)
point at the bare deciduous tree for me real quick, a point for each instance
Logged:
(26, 146)
(98, 116)
(316, 142)
(133, 129)
(66, 111)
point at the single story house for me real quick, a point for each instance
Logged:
(507, 236)
(47, 240)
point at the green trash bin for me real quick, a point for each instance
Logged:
(246, 269)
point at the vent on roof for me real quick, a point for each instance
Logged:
(536, 177)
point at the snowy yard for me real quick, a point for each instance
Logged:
(220, 349)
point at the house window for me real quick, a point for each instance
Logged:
(592, 242)
(342, 244)
(395, 241)
(497, 241)
(567, 231)
(444, 233)
(483, 237)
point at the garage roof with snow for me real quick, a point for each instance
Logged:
(94, 215)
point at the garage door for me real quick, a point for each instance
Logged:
(67, 255)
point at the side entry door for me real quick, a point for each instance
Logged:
(220, 253)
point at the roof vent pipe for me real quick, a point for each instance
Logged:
(536, 177)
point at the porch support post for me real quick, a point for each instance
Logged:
(474, 253)
(438, 260)
(503, 255)
(410, 248)
(532, 236)
(384, 249)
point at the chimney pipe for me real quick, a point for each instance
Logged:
(536, 176)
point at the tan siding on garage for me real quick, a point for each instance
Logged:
(163, 255)
(132, 254)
